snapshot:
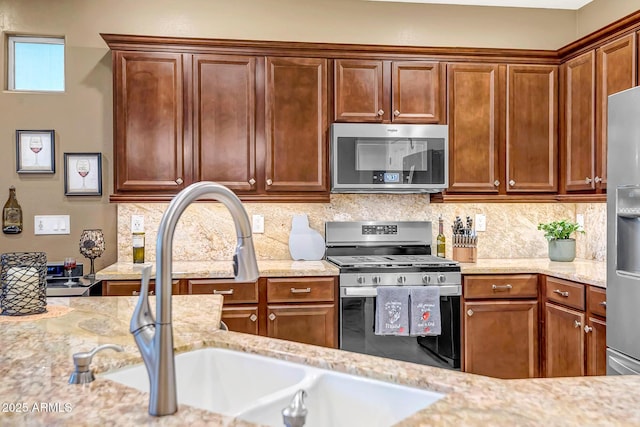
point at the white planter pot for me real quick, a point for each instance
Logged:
(562, 250)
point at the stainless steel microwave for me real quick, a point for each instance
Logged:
(385, 158)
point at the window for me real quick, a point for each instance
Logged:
(36, 63)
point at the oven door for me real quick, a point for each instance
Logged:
(357, 330)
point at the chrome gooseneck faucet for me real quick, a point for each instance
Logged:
(154, 337)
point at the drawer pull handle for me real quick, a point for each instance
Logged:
(253, 317)
(604, 304)
(227, 292)
(587, 329)
(561, 293)
(576, 324)
(301, 291)
(501, 287)
(272, 316)
(138, 293)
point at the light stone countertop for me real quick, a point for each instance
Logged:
(35, 364)
(580, 270)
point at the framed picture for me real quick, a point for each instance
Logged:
(35, 151)
(82, 174)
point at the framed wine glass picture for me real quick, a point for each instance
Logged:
(35, 151)
(82, 174)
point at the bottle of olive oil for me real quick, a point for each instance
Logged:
(441, 240)
(137, 238)
(12, 214)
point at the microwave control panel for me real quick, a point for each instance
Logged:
(382, 177)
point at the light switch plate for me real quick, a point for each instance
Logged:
(51, 224)
(580, 220)
(481, 222)
(257, 224)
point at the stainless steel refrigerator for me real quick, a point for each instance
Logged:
(623, 233)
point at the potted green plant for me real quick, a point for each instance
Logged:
(562, 247)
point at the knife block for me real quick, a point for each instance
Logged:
(465, 254)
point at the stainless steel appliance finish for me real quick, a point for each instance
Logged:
(56, 279)
(385, 158)
(623, 233)
(371, 254)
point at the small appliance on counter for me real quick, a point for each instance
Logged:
(57, 278)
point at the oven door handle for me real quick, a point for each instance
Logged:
(359, 292)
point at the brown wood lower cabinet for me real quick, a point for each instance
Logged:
(596, 346)
(120, 288)
(309, 324)
(564, 341)
(501, 338)
(241, 319)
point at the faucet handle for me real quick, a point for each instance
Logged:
(295, 414)
(142, 312)
(82, 361)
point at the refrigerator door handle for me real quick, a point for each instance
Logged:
(619, 366)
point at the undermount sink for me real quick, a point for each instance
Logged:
(256, 388)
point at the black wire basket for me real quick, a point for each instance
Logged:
(24, 283)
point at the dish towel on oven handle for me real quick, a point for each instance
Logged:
(424, 310)
(392, 310)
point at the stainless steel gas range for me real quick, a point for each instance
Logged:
(371, 254)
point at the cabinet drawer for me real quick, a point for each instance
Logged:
(301, 289)
(597, 301)
(565, 292)
(117, 288)
(501, 286)
(233, 292)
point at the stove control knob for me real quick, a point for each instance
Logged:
(402, 279)
(426, 278)
(442, 278)
(376, 279)
(360, 279)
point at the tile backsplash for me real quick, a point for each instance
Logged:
(205, 231)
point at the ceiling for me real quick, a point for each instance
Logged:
(537, 4)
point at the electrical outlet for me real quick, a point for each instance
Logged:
(257, 224)
(580, 220)
(51, 224)
(137, 223)
(481, 222)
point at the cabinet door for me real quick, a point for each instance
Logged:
(501, 338)
(310, 323)
(532, 128)
(616, 72)
(224, 119)
(579, 133)
(596, 347)
(149, 118)
(564, 342)
(416, 95)
(359, 92)
(473, 93)
(241, 319)
(296, 120)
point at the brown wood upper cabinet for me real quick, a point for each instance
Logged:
(532, 128)
(297, 123)
(587, 81)
(388, 91)
(150, 151)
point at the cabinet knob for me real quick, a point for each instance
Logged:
(469, 312)
(272, 316)
(597, 179)
(253, 317)
(380, 112)
(396, 113)
(269, 182)
(512, 182)
(587, 180)
(604, 304)
(252, 181)
(179, 181)
(576, 324)
(496, 183)
(587, 329)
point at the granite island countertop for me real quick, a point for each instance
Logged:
(36, 363)
(580, 270)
